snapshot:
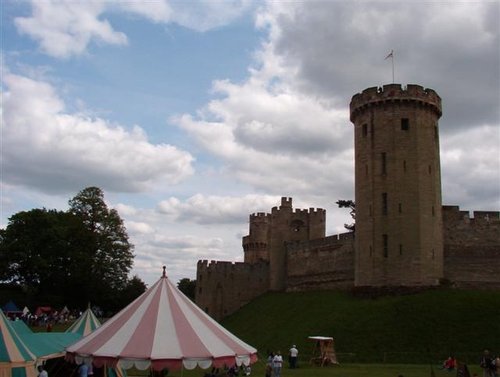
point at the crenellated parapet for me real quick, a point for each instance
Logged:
(395, 93)
(213, 266)
(455, 214)
(224, 287)
(260, 217)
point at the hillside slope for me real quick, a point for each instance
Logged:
(420, 327)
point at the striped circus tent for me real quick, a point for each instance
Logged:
(84, 325)
(161, 329)
(16, 360)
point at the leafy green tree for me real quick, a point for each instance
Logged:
(135, 287)
(188, 287)
(69, 258)
(44, 252)
(112, 255)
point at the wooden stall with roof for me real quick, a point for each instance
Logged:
(323, 352)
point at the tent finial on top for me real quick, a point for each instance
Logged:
(164, 271)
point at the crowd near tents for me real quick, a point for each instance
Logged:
(161, 329)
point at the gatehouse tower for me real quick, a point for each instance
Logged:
(399, 229)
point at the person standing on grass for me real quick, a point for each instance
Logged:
(269, 365)
(277, 364)
(294, 352)
(487, 364)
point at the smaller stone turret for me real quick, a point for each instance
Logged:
(255, 245)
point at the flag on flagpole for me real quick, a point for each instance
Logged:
(391, 55)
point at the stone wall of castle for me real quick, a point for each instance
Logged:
(321, 264)
(224, 287)
(471, 248)
(471, 260)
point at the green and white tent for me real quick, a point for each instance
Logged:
(84, 325)
(16, 358)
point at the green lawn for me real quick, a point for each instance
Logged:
(346, 370)
(419, 328)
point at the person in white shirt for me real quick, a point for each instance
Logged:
(277, 364)
(294, 352)
(42, 372)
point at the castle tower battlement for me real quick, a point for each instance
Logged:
(255, 245)
(394, 93)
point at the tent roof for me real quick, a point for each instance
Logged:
(84, 325)
(10, 307)
(162, 328)
(13, 350)
(20, 327)
(48, 345)
(320, 338)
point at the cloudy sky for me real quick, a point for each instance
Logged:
(192, 115)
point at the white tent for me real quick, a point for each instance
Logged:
(162, 329)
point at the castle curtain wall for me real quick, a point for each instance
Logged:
(471, 248)
(321, 264)
(224, 287)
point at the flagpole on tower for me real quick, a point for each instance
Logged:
(391, 55)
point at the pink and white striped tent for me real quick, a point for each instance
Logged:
(161, 329)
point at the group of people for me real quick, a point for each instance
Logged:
(275, 362)
(490, 364)
(233, 371)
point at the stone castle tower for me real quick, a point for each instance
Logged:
(270, 232)
(399, 228)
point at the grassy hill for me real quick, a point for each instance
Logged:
(421, 328)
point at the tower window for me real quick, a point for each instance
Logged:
(370, 210)
(400, 249)
(400, 208)
(384, 203)
(371, 251)
(404, 166)
(384, 163)
(385, 239)
(405, 124)
(433, 212)
(365, 130)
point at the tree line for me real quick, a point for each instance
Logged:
(74, 257)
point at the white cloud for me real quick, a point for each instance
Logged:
(471, 175)
(65, 28)
(208, 14)
(338, 48)
(71, 151)
(273, 138)
(203, 209)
